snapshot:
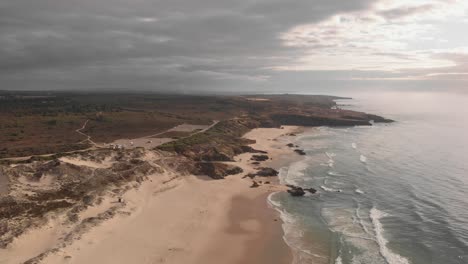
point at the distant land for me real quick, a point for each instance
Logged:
(36, 123)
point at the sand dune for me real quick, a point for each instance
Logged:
(171, 219)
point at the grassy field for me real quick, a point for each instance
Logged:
(36, 134)
(33, 123)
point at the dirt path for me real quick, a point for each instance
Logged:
(88, 137)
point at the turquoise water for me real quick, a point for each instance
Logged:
(391, 193)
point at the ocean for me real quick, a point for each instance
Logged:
(387, 194)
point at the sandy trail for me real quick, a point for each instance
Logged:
(88, 137)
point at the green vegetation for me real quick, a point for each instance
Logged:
(34, 123)
(221, 142)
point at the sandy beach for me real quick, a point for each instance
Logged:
(172, 219)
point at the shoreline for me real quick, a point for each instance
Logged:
(270, 246)
(173, 219)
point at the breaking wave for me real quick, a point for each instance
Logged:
(294, 173)
(334, 173)
(390, 257)
(330, 161)
(363, 158)
(293, 236)
(325, 188)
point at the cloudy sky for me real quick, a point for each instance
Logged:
(227, 45)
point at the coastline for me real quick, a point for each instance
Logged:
(172, 219)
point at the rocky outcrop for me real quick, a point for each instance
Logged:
(254, 185)
(311, 190)
(266, 172)
(263, 172)
(300, 152)
(214, 154)
(379, 119)
(216, 170)
(299, 191)
(316, 120)
(259, 157)
(249, 149)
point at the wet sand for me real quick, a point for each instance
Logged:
(268, 246)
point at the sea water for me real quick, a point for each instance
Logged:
(389, 193)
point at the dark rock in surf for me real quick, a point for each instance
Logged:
(300, 152)
(311, 190)
(298, 191)
(267, 172)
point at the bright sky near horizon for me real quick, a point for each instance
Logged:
(225, 45)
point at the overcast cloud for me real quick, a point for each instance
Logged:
(226, 45)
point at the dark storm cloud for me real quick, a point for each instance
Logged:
(150, 44)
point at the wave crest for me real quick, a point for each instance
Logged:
(390, 257)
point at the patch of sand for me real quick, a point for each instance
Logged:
(188, 128)
(144, 142)
(87, 163)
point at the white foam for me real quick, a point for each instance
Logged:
(325, 188)
(359, 191)
(272, 202)
(338, 260)
(361, 221)
(363, 158)
(283, 174)
(294, 173)
(330, 161)
(390, 257)
(337, 174)
(354, 145)
(348, 222)
(293, 235)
